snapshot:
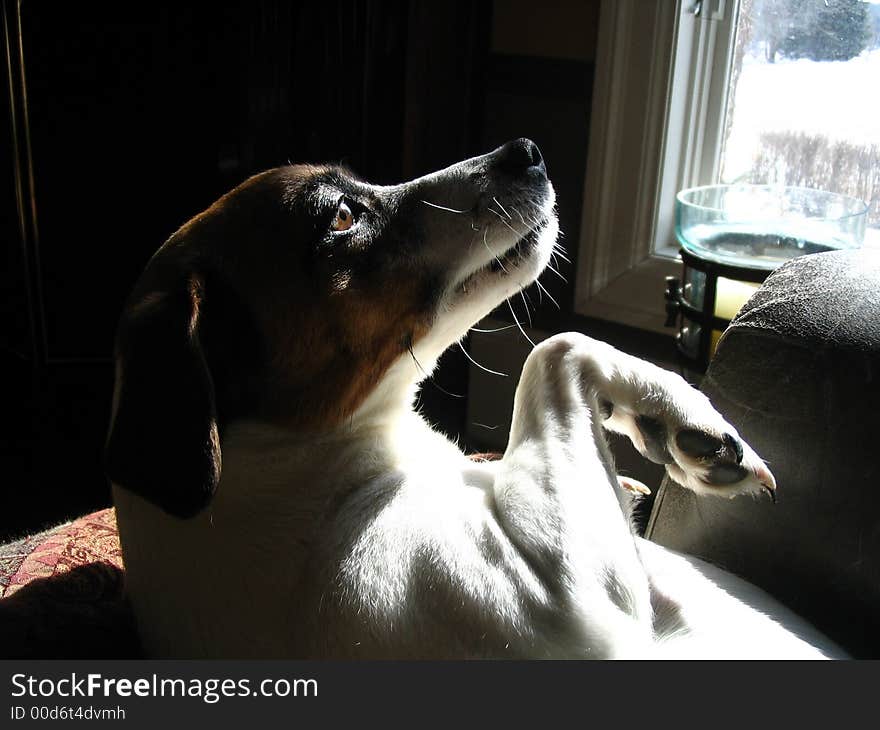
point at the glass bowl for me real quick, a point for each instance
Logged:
(762, 226)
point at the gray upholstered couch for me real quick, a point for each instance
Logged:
(798, 372)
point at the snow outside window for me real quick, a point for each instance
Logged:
(699, 92)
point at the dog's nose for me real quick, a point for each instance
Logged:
(519, 155)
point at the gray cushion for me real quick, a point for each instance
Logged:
(798, 374)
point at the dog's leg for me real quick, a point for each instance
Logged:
(668, 421)
(556, 497)
(671, 423)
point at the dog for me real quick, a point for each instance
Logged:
(278, 496)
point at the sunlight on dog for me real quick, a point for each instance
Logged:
(278, 495)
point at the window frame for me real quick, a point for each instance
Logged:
(657, 126)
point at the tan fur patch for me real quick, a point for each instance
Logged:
(328, 341)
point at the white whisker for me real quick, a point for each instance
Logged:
(443, 207)
(428, 376)
(482, 367)
(498, 203)
(529, 339)
(501, 218)
(549, 295)
(559, 252)
(497, 329)
(550, 266)
(526, 303)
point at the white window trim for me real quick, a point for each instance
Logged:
(659, 105)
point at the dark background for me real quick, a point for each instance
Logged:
(126, 119)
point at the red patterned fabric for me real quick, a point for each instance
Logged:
(61, 593)
(89, 539)
(486, 456)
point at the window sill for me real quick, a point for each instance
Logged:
(635, 298)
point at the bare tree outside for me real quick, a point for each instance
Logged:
(803, 107)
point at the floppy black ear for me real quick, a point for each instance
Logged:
(163, 442)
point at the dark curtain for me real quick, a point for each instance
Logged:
(129, 118)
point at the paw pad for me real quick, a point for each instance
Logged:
(723, 475)
(702, 445)
(653, 433)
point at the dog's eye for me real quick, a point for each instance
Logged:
(344, 218)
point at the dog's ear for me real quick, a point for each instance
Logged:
(164, 443)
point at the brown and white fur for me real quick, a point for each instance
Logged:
(278, 496)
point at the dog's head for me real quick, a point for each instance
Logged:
(295, 295)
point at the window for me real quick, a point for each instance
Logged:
(802, 110)
(701, 91)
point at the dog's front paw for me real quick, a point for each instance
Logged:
(700, 450)
(667, 420)
(718, 462)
